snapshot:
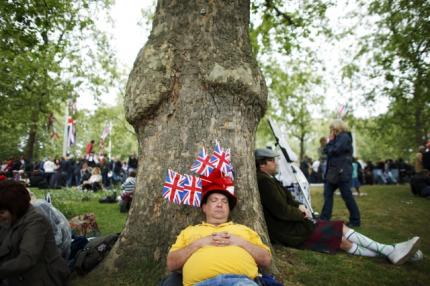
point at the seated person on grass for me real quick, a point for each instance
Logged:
(94, 183)
(127, 191)
(420, 183)
(291, 223)
(218, 251)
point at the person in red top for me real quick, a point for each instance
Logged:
(89, 148)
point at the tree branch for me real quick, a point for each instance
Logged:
(284, 15)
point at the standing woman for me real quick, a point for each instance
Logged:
(339, 172)
(28, 254)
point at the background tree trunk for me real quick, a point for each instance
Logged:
(32, 135)
(195, 81)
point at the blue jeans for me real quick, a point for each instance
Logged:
(228, 280)
(345, 191)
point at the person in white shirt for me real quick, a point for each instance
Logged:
(49, 168)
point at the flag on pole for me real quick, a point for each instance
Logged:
(71, 132)
(106, 130)
(342, 111)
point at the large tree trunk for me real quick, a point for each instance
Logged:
(195, 81)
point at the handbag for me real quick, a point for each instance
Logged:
(333, 175)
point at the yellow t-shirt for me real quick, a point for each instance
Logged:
(210, 261)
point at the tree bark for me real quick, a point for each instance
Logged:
(32, 135)
(195, 81)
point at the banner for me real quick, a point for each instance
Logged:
(71, 132)
(106, 130)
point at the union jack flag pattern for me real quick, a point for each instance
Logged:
(173, 187)
(220, 159)
(202, 164)
(192, 191)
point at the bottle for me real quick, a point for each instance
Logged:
(48, 198)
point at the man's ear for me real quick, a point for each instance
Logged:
(204, 208)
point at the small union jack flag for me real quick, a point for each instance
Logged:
(192, 191)
(173, 187)
(221, 160)
(202, 164)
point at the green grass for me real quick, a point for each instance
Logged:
(72, 203)
(389, 214)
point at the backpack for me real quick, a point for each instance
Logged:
(94, 252)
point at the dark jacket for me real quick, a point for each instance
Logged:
(28, 254)
(285, 222)
(37, 180)
(419, 182)
(339, 155)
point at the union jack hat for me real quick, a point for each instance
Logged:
(216, 182)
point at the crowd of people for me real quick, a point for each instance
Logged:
(92, 172)
(368, 172)
(215, 252)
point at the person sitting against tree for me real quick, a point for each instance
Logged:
(218, 251)
(291, 223)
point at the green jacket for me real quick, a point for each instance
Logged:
(285, 222)
(28, 254)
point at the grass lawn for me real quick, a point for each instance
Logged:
(389, 214)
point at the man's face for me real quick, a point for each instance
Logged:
(216, 208)
(270, 167)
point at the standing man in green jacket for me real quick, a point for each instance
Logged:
(291, 224)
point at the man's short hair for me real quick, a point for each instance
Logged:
(132, 174)
(262, 161)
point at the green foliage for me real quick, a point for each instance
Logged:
(280, 26)
(291, 101)
(398, 68)
(46, 58)
(380, 138)
(90, 127)
(278, 29)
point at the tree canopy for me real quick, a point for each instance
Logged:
(393, 62)
(46, 58)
